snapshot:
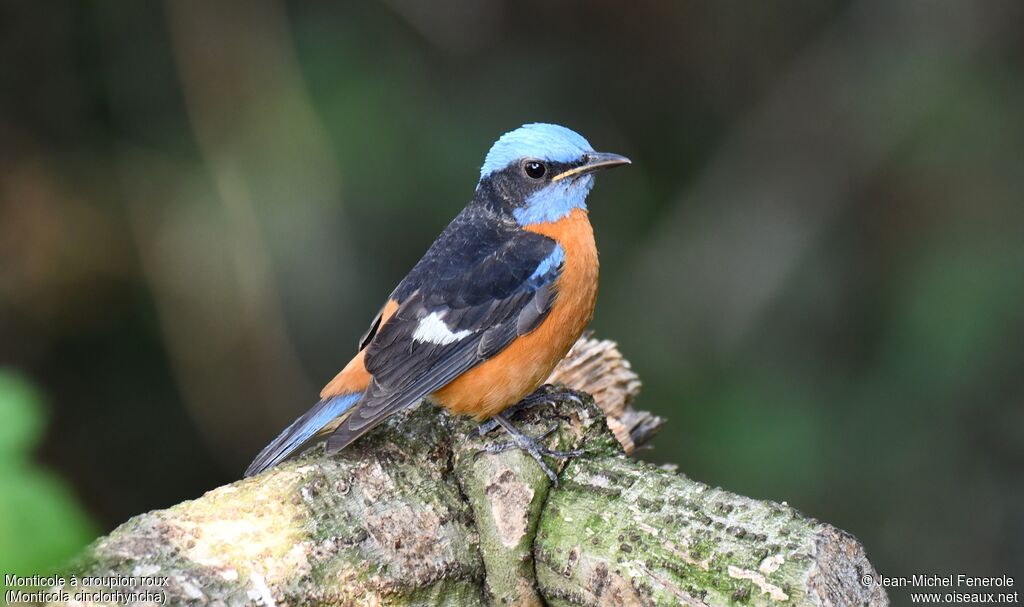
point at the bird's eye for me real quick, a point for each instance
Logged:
(534, 169)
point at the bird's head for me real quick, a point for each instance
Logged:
(543, 171)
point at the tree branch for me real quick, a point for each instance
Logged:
(415, 513)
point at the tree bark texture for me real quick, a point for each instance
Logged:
(415, 513)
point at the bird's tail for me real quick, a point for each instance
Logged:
(317, 420)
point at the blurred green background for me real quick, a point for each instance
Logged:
(815, 263)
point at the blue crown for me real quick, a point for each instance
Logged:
(542, 141)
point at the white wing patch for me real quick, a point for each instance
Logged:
(433, 330)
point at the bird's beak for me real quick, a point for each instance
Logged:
(594, 161)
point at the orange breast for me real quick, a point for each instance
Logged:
(490, 387)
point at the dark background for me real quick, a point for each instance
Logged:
(815, 263)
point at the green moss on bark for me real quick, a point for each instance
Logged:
(414, 514)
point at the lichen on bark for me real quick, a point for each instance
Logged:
(417, 514)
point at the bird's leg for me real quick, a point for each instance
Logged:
(540, 396)
(531, 445)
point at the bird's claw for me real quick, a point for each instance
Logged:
(532, 446)
(521, 441)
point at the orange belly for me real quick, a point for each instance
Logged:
(492, 386)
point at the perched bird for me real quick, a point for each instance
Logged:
(490, 309)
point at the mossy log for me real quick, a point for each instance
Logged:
(416, 514)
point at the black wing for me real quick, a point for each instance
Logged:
(486, 281)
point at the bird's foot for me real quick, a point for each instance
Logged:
(531, 445)
(544, 395)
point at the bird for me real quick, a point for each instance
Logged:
(494, 304)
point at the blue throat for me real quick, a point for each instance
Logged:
(555, 201)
